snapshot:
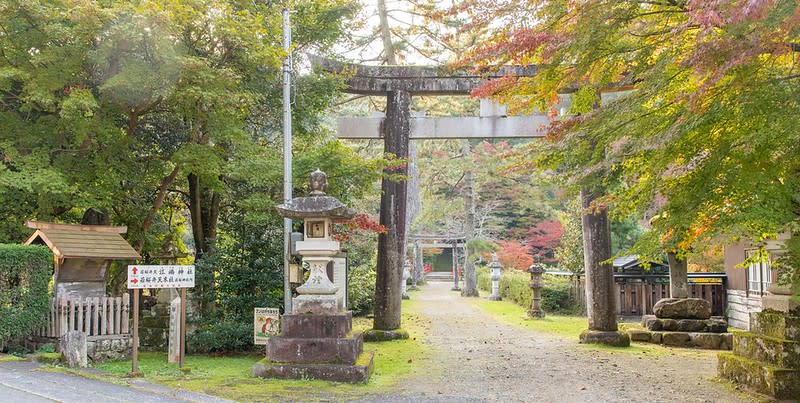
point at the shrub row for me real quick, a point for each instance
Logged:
(514, 286)
(25, 272)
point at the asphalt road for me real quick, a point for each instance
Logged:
(24, 382)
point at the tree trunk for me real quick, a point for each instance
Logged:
(386, 34)
(204, 212)
(470, 279)
(600, 302)
(397, 127)
(95, 217)
(678, 276)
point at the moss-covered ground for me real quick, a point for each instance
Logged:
(229, 376)
(10, 358)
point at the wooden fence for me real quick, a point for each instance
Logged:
(637, 299)
(97, 317)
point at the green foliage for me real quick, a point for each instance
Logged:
(361, 288)
(705, 104)
(46, 348)
(25, 272)
(223, 336)
(514, 286)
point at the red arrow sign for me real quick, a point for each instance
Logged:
(134, 281)
(135, 270)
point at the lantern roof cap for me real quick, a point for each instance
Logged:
(536, 269)
(318, 204)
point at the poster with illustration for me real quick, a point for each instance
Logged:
(266, 323)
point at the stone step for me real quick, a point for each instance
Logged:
(439, 276)
(358, 372)
(775, 324)
(323, 350)
(711, 341)
(713, 325)
(773, 351)
(780, 383)
(316, 326)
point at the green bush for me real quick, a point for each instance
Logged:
(514, 286)
(25, 272)
(361, 288)
(221, 337)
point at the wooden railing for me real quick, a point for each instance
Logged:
(98, 316)
(638, 299)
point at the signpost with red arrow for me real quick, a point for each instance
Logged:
(161, 276)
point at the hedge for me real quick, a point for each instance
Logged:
(25, 272)
(514, 286)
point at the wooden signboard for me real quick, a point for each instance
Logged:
(159, 276)
(266, 322)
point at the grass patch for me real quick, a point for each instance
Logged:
(515, 315)
(229, 376)
(10, 358)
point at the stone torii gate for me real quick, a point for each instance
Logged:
(399, 84)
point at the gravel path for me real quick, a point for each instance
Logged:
(483, 360)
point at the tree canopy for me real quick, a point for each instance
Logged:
(697, 125)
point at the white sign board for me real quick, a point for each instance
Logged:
(148, 276)
(266, 322)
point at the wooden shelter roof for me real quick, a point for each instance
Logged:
(83, 241)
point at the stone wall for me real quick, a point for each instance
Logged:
(102, 349)
(154, 328)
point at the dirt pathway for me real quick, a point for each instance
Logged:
(483, 360)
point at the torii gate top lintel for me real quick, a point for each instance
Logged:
(416, 80)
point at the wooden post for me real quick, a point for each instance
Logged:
(135, 347)
(95, 316)
(183, 328)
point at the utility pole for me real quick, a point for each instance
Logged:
(287, 156)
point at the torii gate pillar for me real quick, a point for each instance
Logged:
(389, 276)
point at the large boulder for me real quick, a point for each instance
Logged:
(74, 350)
(682, 308)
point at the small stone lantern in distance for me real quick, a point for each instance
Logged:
(318, 211)
(406, 276)
(495, 276)
(536, 270)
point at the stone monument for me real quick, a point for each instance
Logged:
(174, 350)
(316, 340)
(680, 321)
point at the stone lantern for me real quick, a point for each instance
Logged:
(495, 276)
(318, 211)
(316, 339)
(406, 276)
(536, 270)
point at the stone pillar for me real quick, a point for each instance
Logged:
(396, 130)
(601, 307)
(406, 276)
(678, 277)
(416, 267)
(174, 350)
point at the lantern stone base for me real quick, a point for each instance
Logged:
(609, 338)
(358, 372)
(319, 347)
(495, 298)
(315, 305)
